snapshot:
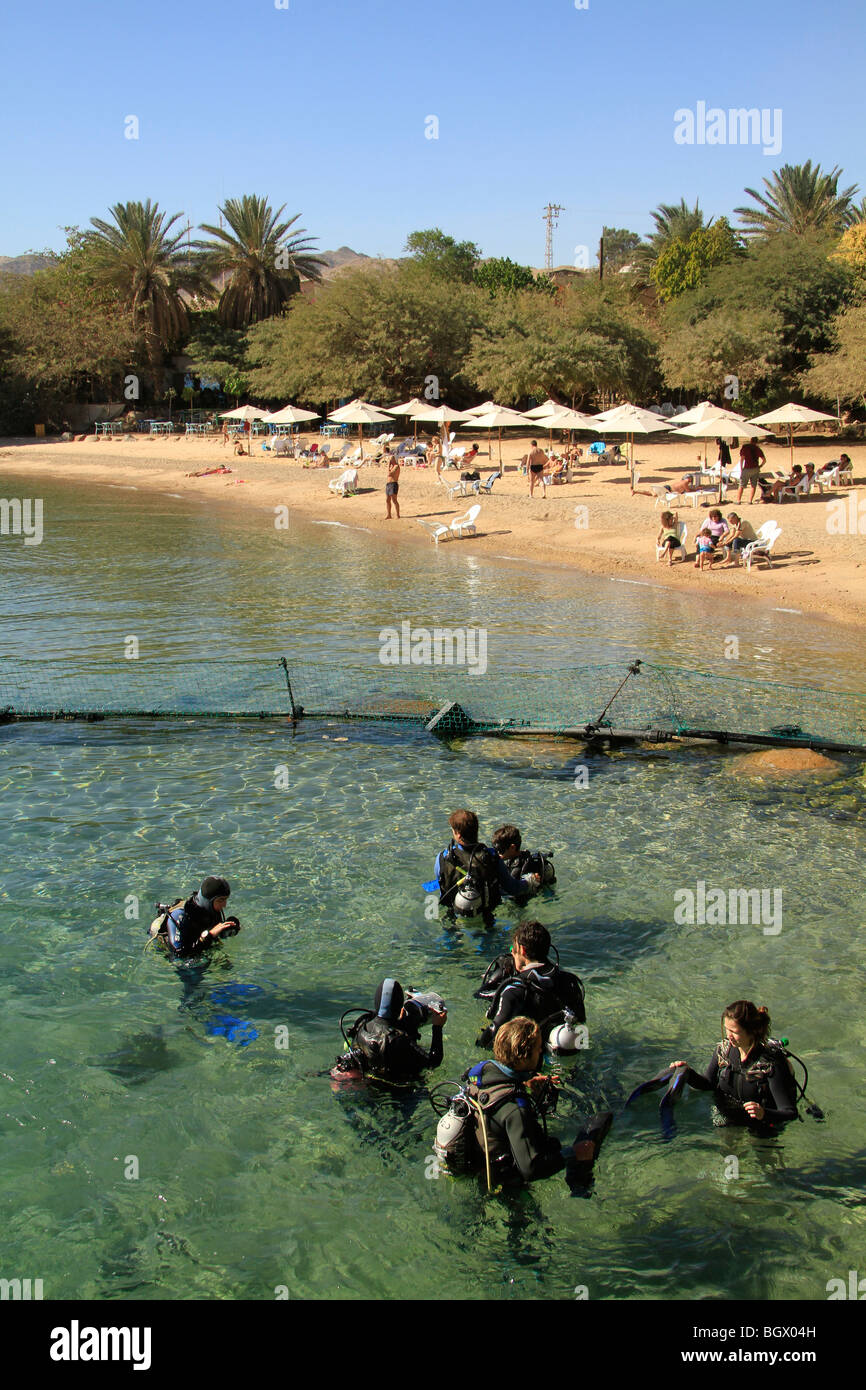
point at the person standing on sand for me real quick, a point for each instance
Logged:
(536, 463)
(434, 455)
(225, 433)
(392, 487)
(751, 457)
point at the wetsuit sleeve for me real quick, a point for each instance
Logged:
(532, 1157)
(415, 1056)
(512, 887)
(784, 1093)
(510, 1005)
(711, 1075)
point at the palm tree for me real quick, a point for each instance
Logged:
(264, 264)
(674, 222)
(142, 260)
(799, 199)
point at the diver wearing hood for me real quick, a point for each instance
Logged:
(195, 925)
(472, 878)
(384, 1043)
(526, 984)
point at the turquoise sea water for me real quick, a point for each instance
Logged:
(252, 1173)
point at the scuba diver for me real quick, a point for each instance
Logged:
(191, 927)
(384, 1043)
(751, 1078)
(523, 862)
(498, 1121)
(472, 878)
(524, 982)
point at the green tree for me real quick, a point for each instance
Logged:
(380, 332)
(440, 255)
(215, 351)
(261, 258)
(620, 247)
(586, 343)
(499, 275)
(142, 260)
(63, 338)
(682, 264)
(799, 199)
(841, 372)
(673, 222)
(760, 318)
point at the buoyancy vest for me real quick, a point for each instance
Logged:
(738, 1084)
(385, 1048)
(462, 868)
(547, 990)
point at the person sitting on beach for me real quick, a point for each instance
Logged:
(735, 539)
(715, 524)
(470, 455)
(668, 539)
(781, 484)
(706, 547)
(843, 463)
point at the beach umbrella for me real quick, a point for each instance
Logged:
(564, 419)
(546, 409)
(441, 414)
(359, 413)
(247, 413)
(630, 420)
(722, 427)
(791, 415)
(407, 408)
(704, 410)
(290, 415)
(500, 419)
(486, 407)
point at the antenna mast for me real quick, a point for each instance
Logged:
(551, 217)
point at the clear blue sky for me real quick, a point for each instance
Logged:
(322, 106)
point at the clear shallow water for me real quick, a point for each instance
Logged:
(253, 1174)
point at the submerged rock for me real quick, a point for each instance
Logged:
(782, 762)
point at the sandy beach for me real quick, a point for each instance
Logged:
(814, 570)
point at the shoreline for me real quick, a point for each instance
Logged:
(814, 572)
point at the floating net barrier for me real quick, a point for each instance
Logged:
(612, 701)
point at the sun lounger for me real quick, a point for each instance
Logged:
(346, 485)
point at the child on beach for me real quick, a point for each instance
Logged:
(668, 539)
(706, 549)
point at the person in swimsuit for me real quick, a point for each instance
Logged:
(392, 487)
(536, 461)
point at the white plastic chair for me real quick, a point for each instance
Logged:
(346, 484)
(683, 533)
(798, 491)
(663, 495)
(759, 549)
(465, 525)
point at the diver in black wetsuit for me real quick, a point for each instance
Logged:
(749, 1074)
(511, 1102)
(525, 983)
(472, 878)
(191, 927)
(385, 1042)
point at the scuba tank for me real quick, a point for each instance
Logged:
(469, 898)
(568, 1036)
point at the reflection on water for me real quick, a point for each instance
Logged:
(252, 1173)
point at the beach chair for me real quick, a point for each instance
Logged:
(436, 529)
(346, 485)
(465, 525)
(798, 491)
(683, 533)
(487, 485)
(760, 548)
(663, 496)
(846, 475)
(460, 488)
(598, 448)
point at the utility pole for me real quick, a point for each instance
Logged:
(551, 217)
